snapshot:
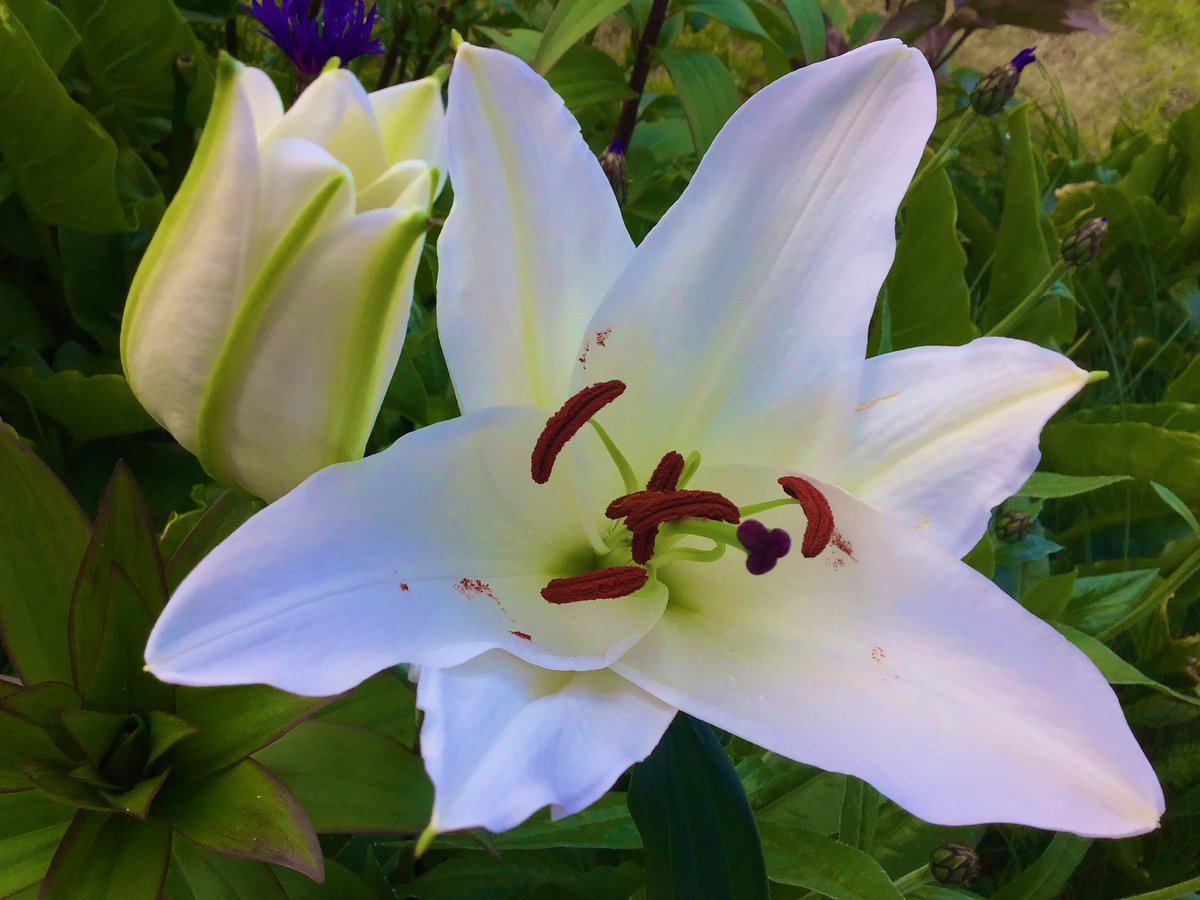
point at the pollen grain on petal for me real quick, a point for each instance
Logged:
(659, 507)
(864, 406)
(819, 530)
(522, 635)
(564, 424)
(603, 584)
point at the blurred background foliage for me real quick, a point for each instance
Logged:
(100, 102)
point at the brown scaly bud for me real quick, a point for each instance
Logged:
(997, 87)
(1012, 527)
(954, 864)
(612, 161)
(1084, 243)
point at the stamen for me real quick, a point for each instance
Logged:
(819, 530)
(642, 546)
(623, 506)
(666, 473)
(603, 584)
(563, 425)
(764, 546)
(659, 507)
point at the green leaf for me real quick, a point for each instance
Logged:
(1048, 599)
(30, 830)
(1022, 260)
(1186, 387)
(120, 591)
(809, 20)
(1046, 877)
(227, 513)
(1105, 605)
(582, 77)
(198, 875)
(536, 876)
(20, 742)
(56, 781)
(244, 812)
(734, 13)
(94, 732)
(384, 791)
(48, 27)
(166, 731)
(1048, 486)
(234, 722)
(128, 48)
(95, 280)
(63, 163)
(699, 834)
(706, 90)
(570, 21)
(384, 703)
(927, 295)
(43, 534)
(1172, 500)
(837, 870)
(108, 857)
(91, 407)
(1174, 892)
(860, 809)
(606, 824)
(1115, 669)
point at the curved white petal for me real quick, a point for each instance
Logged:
(429, 553)
(742, 320)
(189, 283)
(335, 112)
(310, 360)
(412, 121)
(888, 659)
(943, 434)
(406, 185)
(532, 243)
(502, 739)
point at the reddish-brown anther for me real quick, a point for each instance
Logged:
(563, 425)
(623, 506)
(819, 530)
(659, 507)
(603, 584)
(667, 473)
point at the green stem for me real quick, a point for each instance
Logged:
(944, 152)
(906, 884)
(626, 470)
(1008, 324)
(755, 508)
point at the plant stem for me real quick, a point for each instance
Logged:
(231, 36)
(944, 56)
(913, 880)
(388, 69)
(1006, 325)
(627, 120)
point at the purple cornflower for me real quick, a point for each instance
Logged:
(1024, 58)
(344, 32)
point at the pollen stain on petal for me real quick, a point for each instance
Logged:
(602, 337)
(522, 635)
(404, 586)
(878, 654)
(922, 522)
(840, 541)
(867, 404)
(473, 587)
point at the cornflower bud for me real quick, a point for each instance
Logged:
(954, 864)
(1013, 526)
(997, 87)
(612, 161)
(1083, 245)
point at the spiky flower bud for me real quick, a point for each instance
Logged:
(612, 161)
(997, 87)
(954, 864)
(1083, 245)
(1012, 526)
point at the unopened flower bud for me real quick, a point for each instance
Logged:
(954, 864)
(997, 87)
(612, 161)
(1012, 526)
(1084, 244)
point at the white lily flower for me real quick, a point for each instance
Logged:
(266, 318)
(736, 330)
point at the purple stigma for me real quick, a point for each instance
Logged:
(764, 546)
(343, 32)
(1024, 58)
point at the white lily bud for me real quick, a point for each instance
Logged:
(270, 309)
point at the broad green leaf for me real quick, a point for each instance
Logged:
(55, 780)
(383, 703)
(49, 29)
(1048, 486)
(586, 75)
(166, 731)
(734, 13)
(20, 742)
(43, 534)
(1174, 892)
(1186, 386)
(91, 407)
(520, 42)
(697, 828)
(822, 864)
(1046, 877)
(244, 812)
(605, 825)
(196, 874)
(96, 278)
(927, 295)
(119, 593)
(1114, 668)
(1022, 260)
(1172, 500)
(94, 732)
(109, 857)
(227, 513)
(30, 829)
(340, 884)
(706, 90)
(139, 80)
(570, 21)
(384, 791)
(63, 163)
(860, 809)
(234, 722)
(529, 875)
(809, 20)
(1105, 605)
(1048, 599)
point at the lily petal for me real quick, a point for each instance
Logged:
(534, 240)
(412, 121)
(943, 434)
(888, 659)
(216, 208)
(407, 184)
(742, 319)
(430, 553)
(501, 739)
